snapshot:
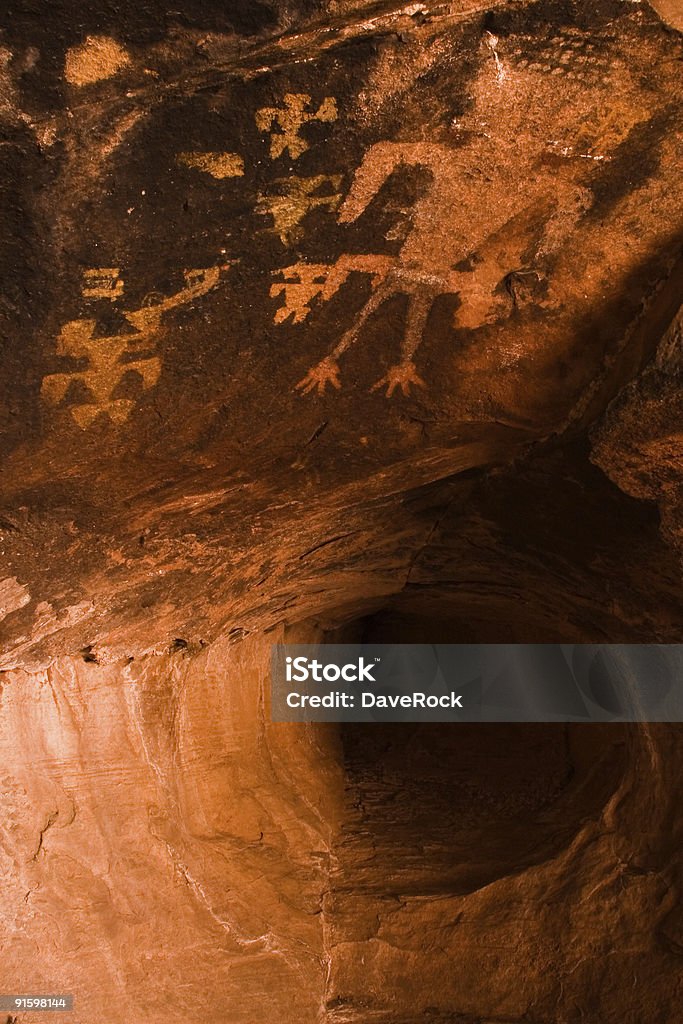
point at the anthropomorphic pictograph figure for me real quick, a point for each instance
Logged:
(451, 222)
(109, 358)
(503, 197)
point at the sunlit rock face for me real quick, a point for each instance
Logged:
(168, 850)
(335, 321)
(165, 847)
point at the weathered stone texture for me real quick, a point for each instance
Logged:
(334, 320)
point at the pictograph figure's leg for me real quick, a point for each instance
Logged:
(327, 370)
(404, 374)
(416, 321)
(350, 337)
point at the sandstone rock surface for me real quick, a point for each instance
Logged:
(357, 319)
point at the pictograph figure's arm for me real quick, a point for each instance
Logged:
(380, 162)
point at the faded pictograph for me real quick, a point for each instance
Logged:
(294, 198)
(285, 123)
(304, 282)
(102, 283)
(218, 165)
(109, 358)
(93, 388)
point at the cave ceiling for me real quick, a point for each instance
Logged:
(286, 283)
